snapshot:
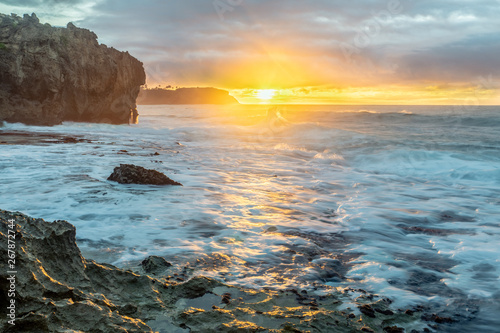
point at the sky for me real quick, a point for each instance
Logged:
(302, 51)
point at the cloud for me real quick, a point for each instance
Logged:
(459, 61)
(55, 12)
(295, 43)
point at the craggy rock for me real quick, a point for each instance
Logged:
(155, 265)
(367, 310)
(439, 319)
(394, 329)
(57, 290)
(132, 174)
(49, 75)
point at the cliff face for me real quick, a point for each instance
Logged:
(185, 96)
(49, 75)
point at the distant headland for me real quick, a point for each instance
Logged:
(49, 75)
(158, 96)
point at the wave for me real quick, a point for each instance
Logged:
(436, 165)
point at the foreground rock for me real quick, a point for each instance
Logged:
(132, 174)
(57, 290)
(49, 75)
(155, 265)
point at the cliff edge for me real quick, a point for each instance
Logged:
(49, 75)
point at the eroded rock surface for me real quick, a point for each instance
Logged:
(132, 174)
(57, 290)
(49, 75)
(155, 265)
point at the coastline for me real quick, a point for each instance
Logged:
(297, 167)
(348, 300)
(58, 289)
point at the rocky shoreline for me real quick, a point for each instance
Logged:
(57, 290)
(33, 138)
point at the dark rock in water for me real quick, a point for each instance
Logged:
(32, 138)
(439, 319)
(132, 174)
(386, 312)
(330, 269)
(155, 265)
(428, 284)
(49, 75)
(226, 298)
(394, 329)
(367, 310)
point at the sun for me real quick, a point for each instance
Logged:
(265, 94)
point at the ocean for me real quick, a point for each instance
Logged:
(400, 201)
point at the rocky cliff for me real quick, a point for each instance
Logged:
(49, 75)
(185, 96)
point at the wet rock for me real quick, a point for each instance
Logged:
(300, 260)
(213, 262)
(386, 312)
(155, 265)
(31, 138)
(289, 328)
(128, 310)
(51, 74)
(59, 291)
(330, 269)
(272, 229)
(427, 284)
(450, 216)
(439, 319)
(367, 310)
(430, 231)
(429, 260)
(132, 174)
(226, 298)
(54, 288)
(394, 329)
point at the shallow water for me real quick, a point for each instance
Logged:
(403, 202)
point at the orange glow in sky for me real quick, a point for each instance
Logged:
(304, 52)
